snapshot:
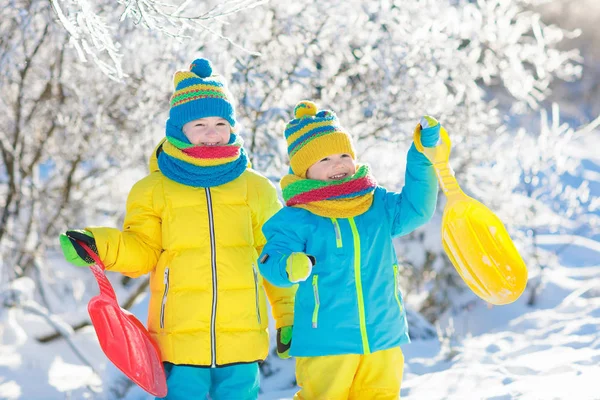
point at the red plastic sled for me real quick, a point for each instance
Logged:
(123, 338)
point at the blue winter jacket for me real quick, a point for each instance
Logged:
(351, 303)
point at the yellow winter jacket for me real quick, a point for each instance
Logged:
(200, 245)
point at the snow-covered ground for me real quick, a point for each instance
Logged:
(548, 351)
(551, 351)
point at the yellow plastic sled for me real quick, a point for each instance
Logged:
(473, 237)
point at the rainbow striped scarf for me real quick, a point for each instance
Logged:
(201, 166)
(344, 198)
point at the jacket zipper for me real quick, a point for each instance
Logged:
(164, 299)
(213, 257)
(315, 285)
(396, 284)
(256, 292)
(338, 233)
(359, 291)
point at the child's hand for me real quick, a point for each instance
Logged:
(299, 266)
(74, 253)
(284, 341)
(430, 131)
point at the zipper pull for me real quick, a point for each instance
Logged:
(166, 280)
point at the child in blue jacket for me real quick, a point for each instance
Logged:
(334, 238)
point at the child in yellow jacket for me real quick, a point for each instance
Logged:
(194, 223)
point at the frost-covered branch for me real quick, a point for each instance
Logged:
(93, 27)
(90, 35)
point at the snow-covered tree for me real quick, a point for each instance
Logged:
(85, 88)
(66, 132)
(381, 66)
(579, 100)
(70, 134)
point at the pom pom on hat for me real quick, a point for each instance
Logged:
(305, 109)
(201, 67)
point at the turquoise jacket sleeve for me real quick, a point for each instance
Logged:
(283, 238)
(415, 205)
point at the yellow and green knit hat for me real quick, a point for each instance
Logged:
(313, 135)
(200, 94)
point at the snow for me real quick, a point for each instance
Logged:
(517, 351)
(30, 370)
(549, 351)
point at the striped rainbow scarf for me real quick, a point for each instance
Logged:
(344, 198)
(201, 166)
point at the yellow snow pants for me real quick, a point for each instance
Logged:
(351, 376)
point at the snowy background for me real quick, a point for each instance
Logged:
(85, 88)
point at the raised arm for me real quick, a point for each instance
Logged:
(415, 205)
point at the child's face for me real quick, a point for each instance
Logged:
(332, 168)
(209, 131)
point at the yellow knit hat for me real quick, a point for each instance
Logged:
(312, 136)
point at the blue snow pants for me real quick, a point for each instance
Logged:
(235, 382)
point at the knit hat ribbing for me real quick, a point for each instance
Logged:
(313, 135)
(199, 94)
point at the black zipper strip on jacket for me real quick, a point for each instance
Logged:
(213, 256)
